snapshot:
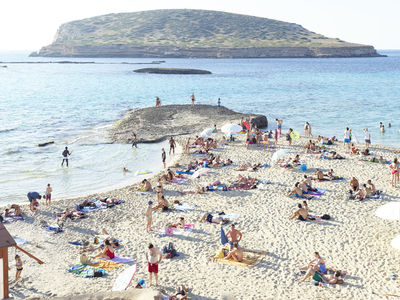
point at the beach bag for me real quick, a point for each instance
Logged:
(326, 217)
(99, 273)
(84, 259)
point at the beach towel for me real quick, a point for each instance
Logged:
(176, 231)
(142, 193)
(105, 264)
(176, 180)
(119, 259)
(318, 192)
(185, 172)
(54, 228)
(183, 207)
(231, 217)
(85, 271)
(11, 219)
(76, 243)
(250, 259)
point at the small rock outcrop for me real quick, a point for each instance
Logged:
(172, 71)
(154, 124)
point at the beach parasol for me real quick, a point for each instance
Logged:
(230, 129)
(390, 211)
(395, 243)
(224, 240)
(279, 154)
(206, 133)
(200, 172)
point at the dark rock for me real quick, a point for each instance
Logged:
(171, 71)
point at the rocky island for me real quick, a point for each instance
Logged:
(172, 71)
(154, 124)
(187, 33)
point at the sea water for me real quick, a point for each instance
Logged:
(74, 104)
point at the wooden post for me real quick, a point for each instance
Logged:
(5, 271)
(30, 255)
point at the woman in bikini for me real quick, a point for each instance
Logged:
(18, 264)
(108, 251)
(395, 172)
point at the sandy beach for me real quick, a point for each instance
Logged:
(353, 240)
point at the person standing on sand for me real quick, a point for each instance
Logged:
(158, 102)
(149, 215)
(276, 137)
(289, 136)
(153, 257)
(367, 138)
(172, 145)
(48, 194)
(18, 265)
(65, 155)
(192, 98)
(394, 166)
(279, 125)
(235, 236)
(163, 157)
(33, 197)
(187, 145)
(134, 141)
(347, 134)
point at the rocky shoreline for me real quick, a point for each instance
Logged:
(121, 51)
(154, 124)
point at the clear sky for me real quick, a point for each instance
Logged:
(31, 24)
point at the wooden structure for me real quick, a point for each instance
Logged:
(6, 241)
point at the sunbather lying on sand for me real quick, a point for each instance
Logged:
(318, 277)
(331, 176)
(247, 166)
(207, 217)
(319, 176)
(235, 253)
(73, 215)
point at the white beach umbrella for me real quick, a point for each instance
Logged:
(230, 129)
(206, 133)
(395, 243)
(200, 172)
(279, 154)
(390, 211)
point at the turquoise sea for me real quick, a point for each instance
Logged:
(73, 104)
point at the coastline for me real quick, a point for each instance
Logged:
(354, 240)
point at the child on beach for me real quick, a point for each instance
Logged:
(149, 215)
(18, 264)
(48, 194)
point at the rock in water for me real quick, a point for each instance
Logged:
(171, 71)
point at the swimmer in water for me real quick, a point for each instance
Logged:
(125, 170)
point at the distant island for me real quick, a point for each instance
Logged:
(187, 33)
(172, 71)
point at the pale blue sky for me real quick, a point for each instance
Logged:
(30, 24)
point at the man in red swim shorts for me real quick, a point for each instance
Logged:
(153, 257)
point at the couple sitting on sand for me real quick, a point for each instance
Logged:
(301, 188)
(302, 213)
(355, 151)
(320, 176)
(14, 211)
(317, 269)
(361, 193)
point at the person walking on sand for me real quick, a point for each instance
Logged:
(347, 135)
(153, 257)
(367, 138)
(65, 155)
(33, 197)
(279, 125)
(149, 215)
(134, 141)
(158, 102)
(234, 236)
(48, 194)
(163, 157)
(192, 98)
(172, 145)
(18, 265)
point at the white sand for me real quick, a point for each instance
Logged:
(355, 240)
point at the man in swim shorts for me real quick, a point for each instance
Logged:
(347, 134)
(172, 145)
(234, 236)
(153, 257)
(302, 213)
(65, 155)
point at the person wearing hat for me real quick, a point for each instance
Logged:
(149, 215)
